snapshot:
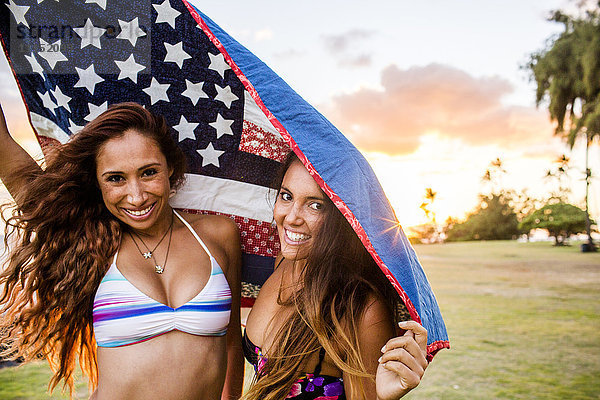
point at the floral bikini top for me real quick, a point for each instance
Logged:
(309, 387)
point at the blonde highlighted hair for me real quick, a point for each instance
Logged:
(336, 283)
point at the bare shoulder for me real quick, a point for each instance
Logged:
(219, 233)
(375, 328)
(376, 314)
(218, 226)
(214, 227)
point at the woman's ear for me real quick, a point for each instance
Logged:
(172, 191)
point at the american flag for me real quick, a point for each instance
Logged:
(233, 117)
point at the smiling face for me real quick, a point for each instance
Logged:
(298, 212)
(133, 176)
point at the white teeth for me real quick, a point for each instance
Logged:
(139, 213)
(296, 237)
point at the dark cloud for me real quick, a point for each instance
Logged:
(348, 47)
(362, 60)
(435, 99)
(345, 41)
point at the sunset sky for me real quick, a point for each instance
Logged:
(430, 91)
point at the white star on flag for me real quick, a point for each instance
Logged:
(51, 56)
(73, 127)
(185, 129)
(157, 91)
(223, 126)
(217, 63)
(210, 155)
(88, 78)
(166, 13)
(49, 104)
(129, 68)
(96, 110)
(131, 31)
(225, 95)
(89, 34)
(35, 65)
(101, 3)
(194, 91)
(62, 100)
(176, 54)
(18, 12)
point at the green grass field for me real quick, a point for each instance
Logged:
(523, 320)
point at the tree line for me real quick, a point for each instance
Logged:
(507, 213)
(567, 76)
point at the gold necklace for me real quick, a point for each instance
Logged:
(149, 253)
(159, 269)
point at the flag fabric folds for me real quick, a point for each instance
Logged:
(234, 118)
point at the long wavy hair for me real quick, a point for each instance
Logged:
(336, 283)
(60, 237)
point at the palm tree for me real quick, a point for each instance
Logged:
(559, 174)
(493, 175)
(567, 74)
(431, 230)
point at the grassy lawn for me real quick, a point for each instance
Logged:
(30, 381)
(523, 320)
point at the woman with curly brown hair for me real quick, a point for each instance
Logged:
(319, 322)
(103, 270)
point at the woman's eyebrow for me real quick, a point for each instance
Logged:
(112, 172)
(321, 198)
(149, 165)
(139, 169)
(315, 198)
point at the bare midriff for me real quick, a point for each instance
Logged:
(172, 366)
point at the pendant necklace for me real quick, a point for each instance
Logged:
(149, 253)
(159, 269)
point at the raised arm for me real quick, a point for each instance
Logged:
(16, 165)
(375, 328)
(234, 379)
(400, 368)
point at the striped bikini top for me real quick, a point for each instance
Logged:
(123, 315)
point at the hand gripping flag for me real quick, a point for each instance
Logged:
(234, 118)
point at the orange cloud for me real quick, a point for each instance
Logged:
(435, 99)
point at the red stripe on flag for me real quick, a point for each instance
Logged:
(47, 144)
(261, 142)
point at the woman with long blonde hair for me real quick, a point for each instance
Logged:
(103, 271)
(323, 325)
